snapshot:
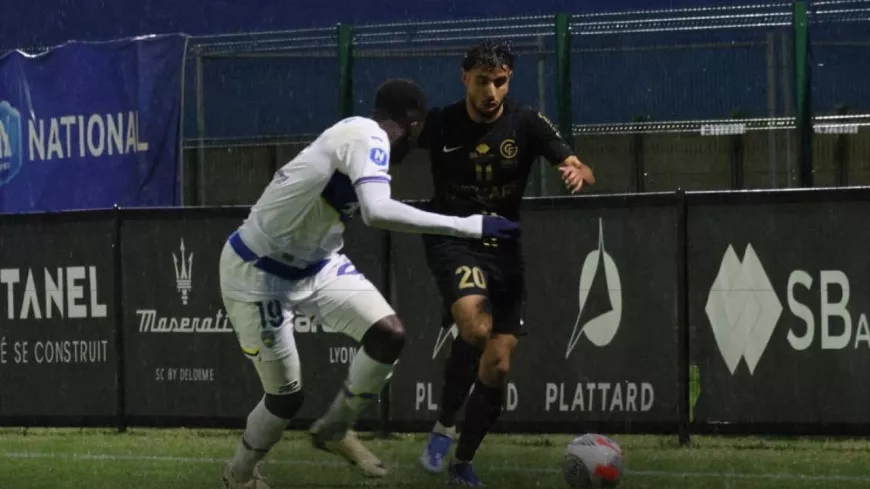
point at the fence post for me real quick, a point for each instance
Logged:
(199, 174)
(563, 77)
(841, 152)
(120, 343)
(803, 90)
(637, 151)
(345, 70)
(684, 355)
(738, 151)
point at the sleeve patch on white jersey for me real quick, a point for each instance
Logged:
(379, 157)
(367, 154)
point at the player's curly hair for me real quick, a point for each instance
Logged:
(400, 99)
(489, 55)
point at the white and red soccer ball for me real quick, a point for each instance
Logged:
(593, 461)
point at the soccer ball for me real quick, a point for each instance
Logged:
(592, 461)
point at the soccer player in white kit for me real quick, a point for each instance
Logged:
(285, 260)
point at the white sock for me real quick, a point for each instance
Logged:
(364, 382)
(443, 430)
(366, 379)
(262, 432)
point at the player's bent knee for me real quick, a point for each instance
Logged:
(385, 340)
(496, 362)
(474, 334)
(284, 406)
(475, 331)
(501, 368)
(495, 369)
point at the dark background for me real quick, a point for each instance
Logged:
(45, 22)
(642, 244)
(788, 386)
(150, 239)
(44, 244)
(667, 249)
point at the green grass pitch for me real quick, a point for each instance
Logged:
(193, 459)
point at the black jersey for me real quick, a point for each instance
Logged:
(484, 168)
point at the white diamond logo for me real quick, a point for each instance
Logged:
(743, 309)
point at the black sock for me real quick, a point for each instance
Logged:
(481, 413)
(460, 371)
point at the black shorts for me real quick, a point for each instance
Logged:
(464, 267)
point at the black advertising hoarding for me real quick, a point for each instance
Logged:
(58, 355)
(779, 294)
(601, 315)
(183, 359)
(415, 386)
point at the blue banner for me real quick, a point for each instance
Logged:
(91, 125)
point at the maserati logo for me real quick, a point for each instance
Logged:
(183, 271)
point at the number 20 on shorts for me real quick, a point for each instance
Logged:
(471, 277)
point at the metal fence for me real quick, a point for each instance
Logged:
(698, 99)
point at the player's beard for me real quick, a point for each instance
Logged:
(487, 113)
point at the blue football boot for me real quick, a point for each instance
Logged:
(440, 440)
(462, 474)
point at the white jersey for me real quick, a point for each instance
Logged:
(299, 219)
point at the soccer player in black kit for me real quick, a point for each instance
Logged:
(481, 151)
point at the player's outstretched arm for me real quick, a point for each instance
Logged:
(367, 161)
(379, 210)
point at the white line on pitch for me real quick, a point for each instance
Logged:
(494, 468)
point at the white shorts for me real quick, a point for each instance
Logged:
(263, 307)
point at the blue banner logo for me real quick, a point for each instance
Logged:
(10, 142)
(91, 125)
